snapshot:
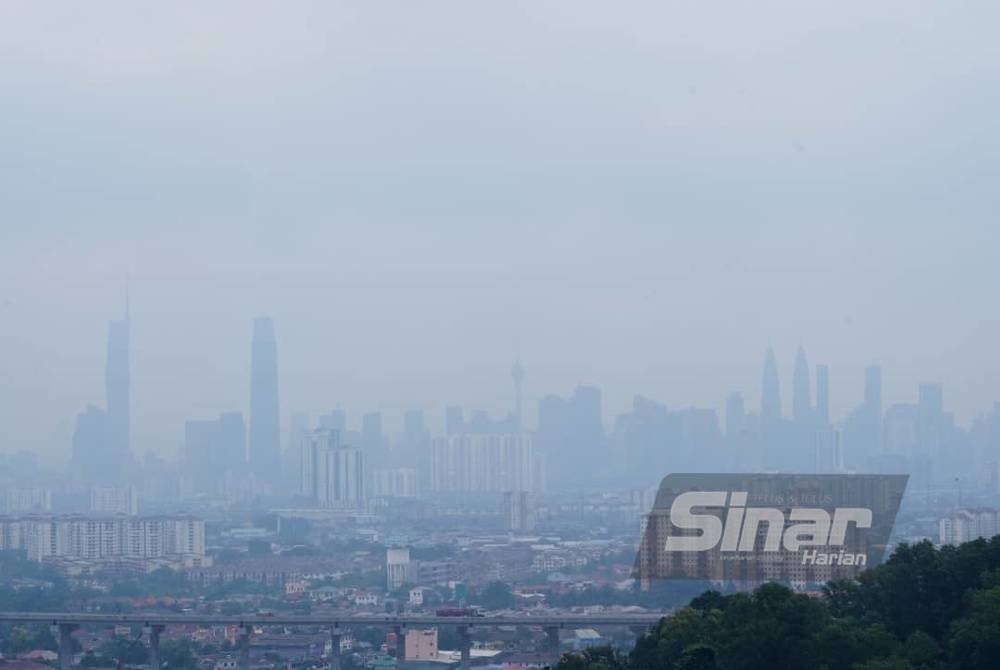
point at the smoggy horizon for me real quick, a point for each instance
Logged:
(641, 199)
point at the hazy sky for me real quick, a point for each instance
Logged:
(636, 195)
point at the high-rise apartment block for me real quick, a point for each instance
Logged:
(333, 475)
(105, 538)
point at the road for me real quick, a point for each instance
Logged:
(561, 620)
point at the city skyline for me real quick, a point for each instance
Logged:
(418, 207)
(490, 335)
(277, 431)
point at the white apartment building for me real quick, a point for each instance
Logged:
(91, 538)
(114, 500)
(332, 475)
(398, 568)
(477, 463)
(394, 483)
(26, 500)
(968, 524)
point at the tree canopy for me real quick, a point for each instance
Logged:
(925, 608)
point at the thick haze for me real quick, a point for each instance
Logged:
(640, 196)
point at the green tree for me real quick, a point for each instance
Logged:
(594, 658)
(974, 640)
(921, 650)
(177, 655)
(123, 650)
(496, 596)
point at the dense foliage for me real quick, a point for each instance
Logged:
(923, 609)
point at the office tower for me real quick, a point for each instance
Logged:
(930, 399)
(873, 390)
(735, 415)
(291, 460)
(371, 430)
(825, 457)
(770, 396)
(454, 420)
(411, 449)
(862, 430)
(822, 395)
(517, 374)
(90, 438)
(201, 474)
(232, 449)
(801, 400)
(265, 432)
(584, 413)
(901, 429)
(214, 452)
(571, 436)
(930, 419)
(774, 443)
(335, 420)
(413, 424)
(116, 383)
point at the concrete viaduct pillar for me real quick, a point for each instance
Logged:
(552, 642)
(64, 634)
(400, 632)
(465, 634)
(336, 635)
(243, 646)
(154, 645)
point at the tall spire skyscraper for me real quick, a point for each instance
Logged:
(770, 393)
(801, 397)
(517, 373)
(117, 384)
(265, 431)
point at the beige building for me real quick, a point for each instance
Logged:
(421, 645)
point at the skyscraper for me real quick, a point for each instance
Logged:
(770, 396)
(571, 435)
(265, 432)
(930, 419)
(201, 457)
(291, 461)
(413, 424)
(90, 439)
(801, 400)
(454, 420)
(823, 394)
(735, 416)
(873, 390)
(101, 449)
(862, 429)
(371, 430)
(232, 441)
(517, 373)
(335, 420)
(116, 384)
